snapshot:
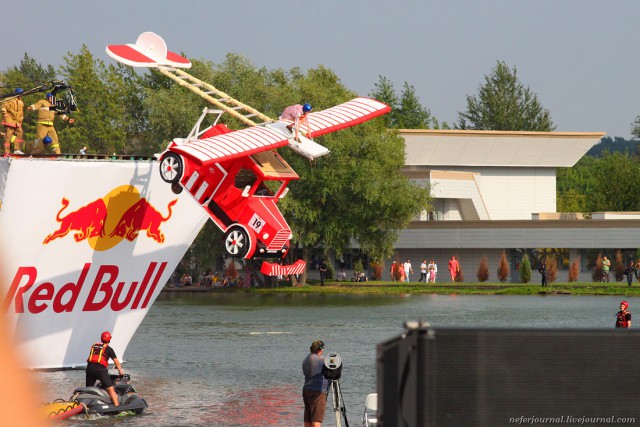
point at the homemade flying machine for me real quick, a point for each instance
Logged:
(236, 175)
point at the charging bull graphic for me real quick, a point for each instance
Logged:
(105, 222)
(88, 221)
(140, 217)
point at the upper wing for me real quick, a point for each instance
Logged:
(351, 113)
(232, 145)
(149, 50)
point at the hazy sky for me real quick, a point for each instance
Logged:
(579, 56)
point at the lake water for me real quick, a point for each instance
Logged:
(235, 360)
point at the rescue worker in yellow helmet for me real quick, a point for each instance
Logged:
(12, 116)
(97, 365)
(45, 124)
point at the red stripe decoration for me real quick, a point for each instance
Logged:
(231, 145)
(273, 269)
(130, 54)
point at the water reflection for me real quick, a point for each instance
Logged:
(235, 359)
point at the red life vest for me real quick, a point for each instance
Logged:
(96, 355)
(621, 321)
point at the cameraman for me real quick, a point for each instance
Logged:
(314, 391)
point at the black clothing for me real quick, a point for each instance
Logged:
(96, 371)
(323, 272)
(543, 271)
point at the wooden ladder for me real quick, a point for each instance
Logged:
(243, 112)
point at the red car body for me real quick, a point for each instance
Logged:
(239, 194)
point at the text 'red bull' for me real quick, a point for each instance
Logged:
(105, 291)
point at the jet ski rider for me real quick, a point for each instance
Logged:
(97, 365)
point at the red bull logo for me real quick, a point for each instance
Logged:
(103, 223)
(26, 295)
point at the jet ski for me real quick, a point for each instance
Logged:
(96, 400)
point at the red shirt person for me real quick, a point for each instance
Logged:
(623, 318)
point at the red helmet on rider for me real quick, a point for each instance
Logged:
(625, 304)
(105, 337)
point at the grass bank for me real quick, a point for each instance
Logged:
(391, 288)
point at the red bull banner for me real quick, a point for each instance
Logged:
(88, 246)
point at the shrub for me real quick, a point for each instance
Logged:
(552, 269)
(574, 270)
(377, 267)
(231, 272)
(503, 268)
(460, 275)
(619, 267)
(525, 269)
(483, 270)
(597, 270)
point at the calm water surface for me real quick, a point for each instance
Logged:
(235, 360)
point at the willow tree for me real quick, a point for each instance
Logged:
(504, 103)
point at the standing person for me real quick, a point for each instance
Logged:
(392, 271)
(606, 265)
(12, 117)
(433, 270)
(45, 124)
(630, 271)
(423, 271)
(314, 391)
(543, 272)
(454, 267)
(623, 318)
(401, 272)
(97, 365)
(297, 113)
(407, 270)
(638, 271)
(323, 272)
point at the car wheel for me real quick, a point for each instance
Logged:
(236, 242)
(176, 188)
(171, 168)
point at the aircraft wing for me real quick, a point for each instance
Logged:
(149, 50)
(231, 145)
(351, 113)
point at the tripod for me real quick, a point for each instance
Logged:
(338, 403)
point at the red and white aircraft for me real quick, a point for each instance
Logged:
(236, 175)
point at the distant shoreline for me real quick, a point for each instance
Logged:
(394, 288)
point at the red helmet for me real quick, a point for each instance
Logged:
(626, 304)
(105, 337)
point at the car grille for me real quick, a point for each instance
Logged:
(280, 239)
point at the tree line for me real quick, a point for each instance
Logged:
(357, 194)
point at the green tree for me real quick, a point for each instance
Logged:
(99, 118)
(412, 115)
(504, 103)
(384, 91)
(525, 269)
(615, 185)
(635, 127)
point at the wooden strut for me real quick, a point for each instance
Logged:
(193, 84)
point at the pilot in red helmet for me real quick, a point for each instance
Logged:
(623, 318)
(97, 365)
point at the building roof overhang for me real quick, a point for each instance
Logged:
(460, 148)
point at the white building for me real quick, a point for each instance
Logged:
(496, 191)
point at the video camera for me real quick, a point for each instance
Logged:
(66, 105)
(332, 369)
